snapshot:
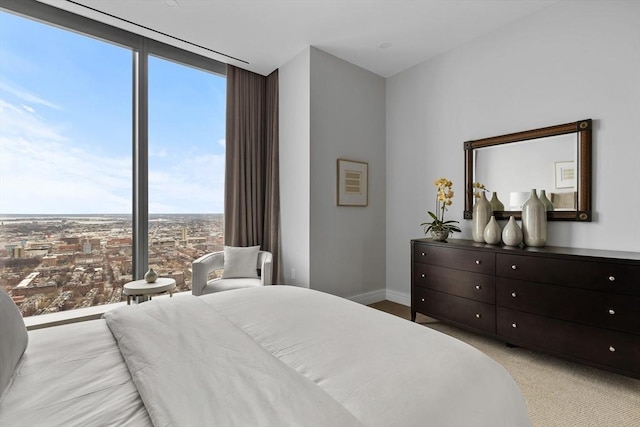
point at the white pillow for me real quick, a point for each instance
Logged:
(13, 339)
(240, 262)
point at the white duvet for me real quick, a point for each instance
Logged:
(285, 356)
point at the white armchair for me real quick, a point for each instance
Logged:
(203, 266)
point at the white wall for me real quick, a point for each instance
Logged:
(294, 113)
(331, 109)
(347, 121)
(562, 64)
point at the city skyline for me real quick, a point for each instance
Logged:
(65, 128)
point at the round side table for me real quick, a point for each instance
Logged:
(140, 288)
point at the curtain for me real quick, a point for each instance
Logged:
(252, 198)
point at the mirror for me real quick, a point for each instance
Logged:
(556, 159)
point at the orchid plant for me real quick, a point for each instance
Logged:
(478, 188)
(444, 198)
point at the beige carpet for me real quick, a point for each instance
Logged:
(558, 393)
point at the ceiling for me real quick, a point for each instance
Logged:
(382, 36)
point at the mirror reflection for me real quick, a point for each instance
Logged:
(555, 160)
(510, 171)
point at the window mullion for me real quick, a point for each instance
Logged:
(140, 162)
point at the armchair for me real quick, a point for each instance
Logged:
(215, 261)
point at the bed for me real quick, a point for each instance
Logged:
(266, 356)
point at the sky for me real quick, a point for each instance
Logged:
(66, 127)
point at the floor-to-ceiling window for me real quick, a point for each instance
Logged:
(106, 139)
(186, 167)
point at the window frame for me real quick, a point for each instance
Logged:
(142, 47)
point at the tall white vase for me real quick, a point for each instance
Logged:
(512, 233)
(481, 214)
(534, 221)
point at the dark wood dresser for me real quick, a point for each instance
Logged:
(579, 304)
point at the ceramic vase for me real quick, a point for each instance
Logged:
(496, 204)
(512, 233)
(548, 205)
(481, 214)
(534, 221)
(492, 232)
(151, 276)
(439, 235)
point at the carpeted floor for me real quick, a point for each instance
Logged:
(558, 393)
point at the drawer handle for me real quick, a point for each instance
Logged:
(478, 262)
(612, 311)
(422, 275)
(514, 267)
(422, 253)
(478, 315)
(612, 278)
(514, 325)
(513, 294)
(478, 287)
(612, 349)
(422, 300)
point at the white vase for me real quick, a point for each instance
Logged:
(534, 221)
(151, 276)
(496, 204)
(481, 214)
(512, 233)
(492, 232)
(548, 205)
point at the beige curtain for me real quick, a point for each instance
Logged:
(252, 198)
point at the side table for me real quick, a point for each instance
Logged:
(140, 288)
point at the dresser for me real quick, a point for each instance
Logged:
(580, 304)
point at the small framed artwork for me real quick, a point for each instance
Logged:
(565, 174)
(353, 183)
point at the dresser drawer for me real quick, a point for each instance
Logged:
(601, 276)
(475, 286)
(605, 310)
(461, 259)
(462, 311)
(602, 346)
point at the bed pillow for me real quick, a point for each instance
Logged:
(13, 339)
(240, 262)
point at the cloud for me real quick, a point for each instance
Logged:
(44, 171)
(25, 95)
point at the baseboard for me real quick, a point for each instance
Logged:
(369, 297)
(398, 297)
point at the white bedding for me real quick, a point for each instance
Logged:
(275, 355)
(72, 375)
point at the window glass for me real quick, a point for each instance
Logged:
(186, 167)
(65, 167)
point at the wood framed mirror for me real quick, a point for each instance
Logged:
(556, 159)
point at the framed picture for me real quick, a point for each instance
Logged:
(353, 183)
(565, 174)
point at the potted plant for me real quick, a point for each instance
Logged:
(439, 228)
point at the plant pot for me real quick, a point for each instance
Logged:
(439, 235)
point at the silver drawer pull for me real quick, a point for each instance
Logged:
(514, 267)
(612, 311)
(422, 300)
(612, 278)
(478, 287)
(612, 349)
(514, 325)
(513, 294)
(422, 275)
(478, 315)
(478, 262)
